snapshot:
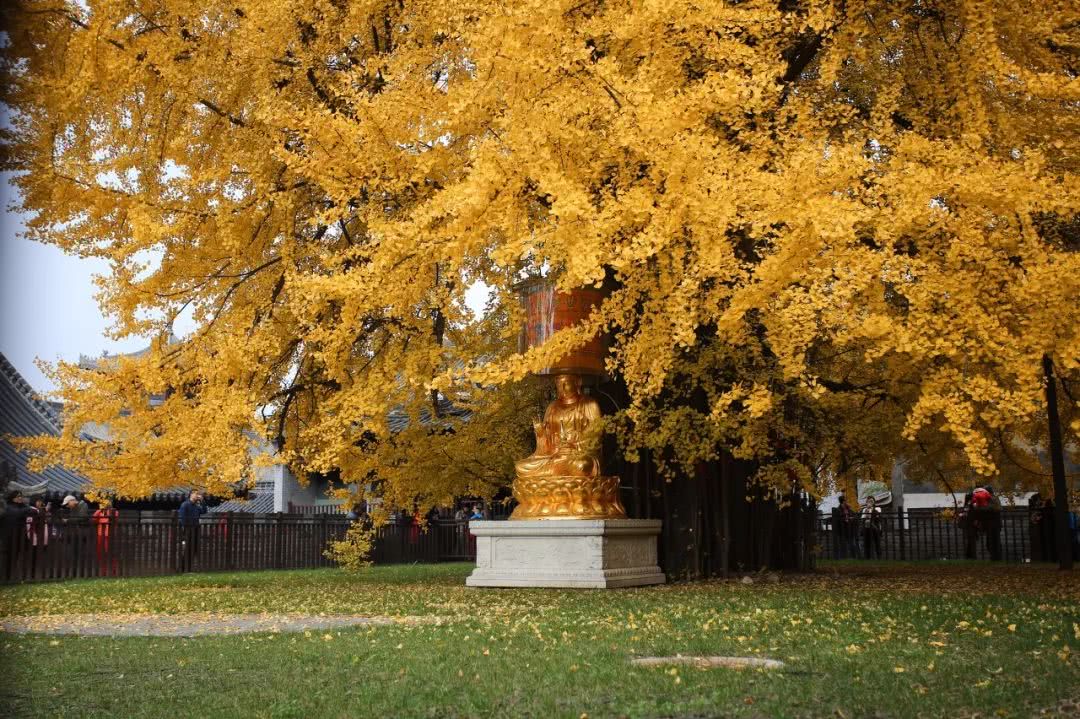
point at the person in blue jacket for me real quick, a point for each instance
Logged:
(189, 514)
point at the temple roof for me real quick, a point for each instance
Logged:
(25, 414)
(398, 419)
(258, 502)
(97, 363)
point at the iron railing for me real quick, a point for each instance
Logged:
(145, 543)
(1011, 535)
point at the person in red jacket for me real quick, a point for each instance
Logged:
(104, 521)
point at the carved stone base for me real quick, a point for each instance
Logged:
(567, 498)
(585, 553)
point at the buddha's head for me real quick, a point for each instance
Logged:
(567, 387)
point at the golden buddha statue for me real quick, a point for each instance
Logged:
(562, 478)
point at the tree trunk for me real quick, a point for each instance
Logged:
(715, 520)
(1057, 464)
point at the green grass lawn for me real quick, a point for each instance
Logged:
(895, 640)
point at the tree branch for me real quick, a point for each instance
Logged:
(209, 105)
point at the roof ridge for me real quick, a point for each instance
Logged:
(27, 391)
(92, 362)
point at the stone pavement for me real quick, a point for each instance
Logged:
(184, 625)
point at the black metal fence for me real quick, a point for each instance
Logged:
(143, 543)
(920, 534)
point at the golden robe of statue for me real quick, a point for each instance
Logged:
(562, 478)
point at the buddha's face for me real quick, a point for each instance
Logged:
(567, 386)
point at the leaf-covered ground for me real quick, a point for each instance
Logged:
(857, 640)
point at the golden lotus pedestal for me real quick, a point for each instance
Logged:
(567, 498)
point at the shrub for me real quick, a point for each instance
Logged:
(352, 551)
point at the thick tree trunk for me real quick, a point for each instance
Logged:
(1057, 464)
(715, 520)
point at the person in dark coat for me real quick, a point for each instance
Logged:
(189, 514)
(872, 529)
(991, 521)
(1034, 512)
(14, 540)
(15, 513)
(73, 508)
(75, 529)
(1048, 523)
(38, 533)
(37, 523)
(845, 531)
(969, 520)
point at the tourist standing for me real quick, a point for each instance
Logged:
(845, 527)
(72, 508)
(992, 524)
(37, 523)
(1034, 513)
(72, 512)
(81, 508)
(871, 529)
(1048, 523)
(73, 519)
(37, 533)
(190, 514)
(14, 540)
(969, 522)
(104, 521)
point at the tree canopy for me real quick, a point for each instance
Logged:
(834, 232)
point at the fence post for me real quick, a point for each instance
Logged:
(279, 544)
(174, 542)
(901, 516)
(229, 539)
(320, 542)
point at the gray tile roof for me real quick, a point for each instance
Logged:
(102, 362)
(24, 414)
(256, 503)
(398, 419)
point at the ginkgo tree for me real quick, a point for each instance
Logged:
(834, 233)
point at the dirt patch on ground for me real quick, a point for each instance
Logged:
(1065, 709)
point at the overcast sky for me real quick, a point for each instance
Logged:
(47, 306)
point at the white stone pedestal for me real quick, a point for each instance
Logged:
(596, 553)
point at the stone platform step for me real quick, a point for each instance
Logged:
(574, 553)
